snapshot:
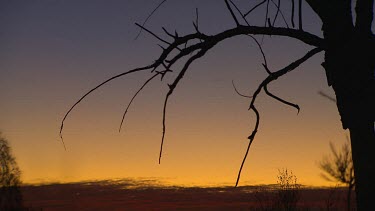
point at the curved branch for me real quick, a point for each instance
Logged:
(281, 100)
(98, 86)
(283, 71)
(134, 96)
(251, 138)
(303, 36)
(172, 88)
(256, 6)
(242, 95)
(149, 16)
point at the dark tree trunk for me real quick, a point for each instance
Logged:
(350, 68)
(363, 145)
(350, 71)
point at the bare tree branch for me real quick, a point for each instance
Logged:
(280, 99)
(277, 11)
(263, 55)
(242, 95)
(251, 139)
(327, 96)
(153, 34)
(239, 11)
(134, 96)
(281, 13)
(292, 16)
(98, 86)
(283, 71)
(266, 18)
(231, 12)
(172, 88)
(256, 6)
(273, 76)
(149, 16)
(300, 15)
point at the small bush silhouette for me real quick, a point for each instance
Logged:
(288, 191)
(284, 197)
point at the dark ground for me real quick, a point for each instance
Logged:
(106, 195)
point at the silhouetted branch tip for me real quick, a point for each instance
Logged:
(235, 89)
(231, 12)
(252, 9)
(149, 16)
(134, 96)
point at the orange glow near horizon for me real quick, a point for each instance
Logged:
(50, 59)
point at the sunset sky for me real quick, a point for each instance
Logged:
(52, 52)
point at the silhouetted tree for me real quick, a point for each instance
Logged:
(339, 168)
(10, 195)
(348, 44)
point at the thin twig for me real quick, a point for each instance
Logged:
(300, 15)
(292, 17)
(267, 11)
(280, 99)
(263, 54)
(134, 96)
(256, 6)
(266, 18)
(327, 96)
(242, 95)
(277, 11)
(239, 11)
(172, 88)
(153, 34)
(283, 71)
(231, 12)
(197, 19)
(98, 86)
(148, 17)
(282, 15)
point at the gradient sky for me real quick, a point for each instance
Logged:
(55, 50)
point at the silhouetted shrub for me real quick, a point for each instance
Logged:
(10, 194)
(288, 191)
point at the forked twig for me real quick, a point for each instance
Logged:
(256, 6)
(153, 34)
(172, 88)
(263, 54)
(266, 81)
(231, 12)
(98, 86)
(283, 71)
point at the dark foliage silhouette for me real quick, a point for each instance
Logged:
(10, 194)
(339, 168)
(284, 196)
(348, 44)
